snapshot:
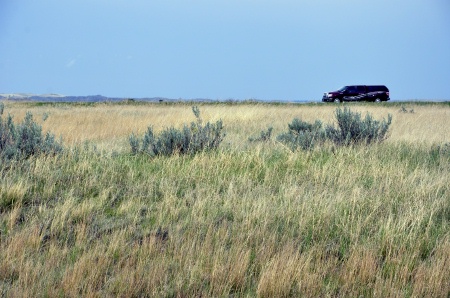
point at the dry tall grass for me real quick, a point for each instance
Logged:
(251, 219)
(111, 124)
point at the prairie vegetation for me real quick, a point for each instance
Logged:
(252, 218)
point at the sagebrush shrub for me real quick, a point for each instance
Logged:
(190, 139)
(303, 135)
(264, 136)
(25, 139)
(352, 129)
(404, 110)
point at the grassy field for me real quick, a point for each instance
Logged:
(249, 219)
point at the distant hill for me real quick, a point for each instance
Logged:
(66, 98)
(100, 98)
(19, 96)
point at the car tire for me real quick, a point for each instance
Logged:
(337, 100)
(377, 100)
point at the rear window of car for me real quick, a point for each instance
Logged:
(377, 88)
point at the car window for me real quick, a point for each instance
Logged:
(361, 89)
(376, 88)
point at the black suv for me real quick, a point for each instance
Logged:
(376, 93)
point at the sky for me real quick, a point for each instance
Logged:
(225, 49)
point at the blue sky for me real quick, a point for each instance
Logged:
(224, 49)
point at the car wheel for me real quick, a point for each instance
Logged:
(377, 100)
(337, 100)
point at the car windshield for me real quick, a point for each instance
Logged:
(342, 89)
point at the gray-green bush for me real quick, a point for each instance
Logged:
(351, 129)
(25, 139)
(190, 139)
(264, 136)
(303, 135)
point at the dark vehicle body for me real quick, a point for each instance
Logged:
(376, 93)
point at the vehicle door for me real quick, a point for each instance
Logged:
(361, 93)
(350, 93)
